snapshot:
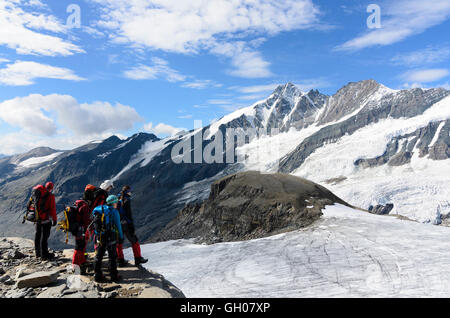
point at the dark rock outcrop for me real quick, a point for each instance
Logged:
(250, 205)
(381, 209)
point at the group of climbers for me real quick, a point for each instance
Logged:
(103, 217)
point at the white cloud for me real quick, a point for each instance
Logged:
(189, 26)
(160, 68)
(255, 88)
(23, 73)
(246, 62)
(54, 115)
(22, 31)
(425, 76)
(20, 142)
(429, 55)
(201, 84)
(252, 97)
(399, 20)
(309, 84)
(162, 129)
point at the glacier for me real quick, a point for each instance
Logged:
(347, 253)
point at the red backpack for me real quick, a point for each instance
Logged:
(36, 207)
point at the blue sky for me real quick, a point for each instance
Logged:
(158, 65)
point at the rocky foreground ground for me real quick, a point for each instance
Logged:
(22, 275)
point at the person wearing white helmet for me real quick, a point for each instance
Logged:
(107, 185)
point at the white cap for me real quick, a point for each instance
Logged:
(107, 184)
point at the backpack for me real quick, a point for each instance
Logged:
(73, 219)
(100, 197)
(36, 204)
(96, 196)
(105, 230)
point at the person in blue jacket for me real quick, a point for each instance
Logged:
(108, 231)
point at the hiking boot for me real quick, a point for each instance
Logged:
(121, 262)
(100, 279)
(48, 256)
(116, 278)
(83, 270)
(140, 260)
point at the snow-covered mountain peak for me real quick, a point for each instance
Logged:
(288, 91)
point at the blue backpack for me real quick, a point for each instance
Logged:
(104, 227)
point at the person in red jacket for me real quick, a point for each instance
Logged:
(44, 224)
(83, 220)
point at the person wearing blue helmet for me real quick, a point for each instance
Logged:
(108, 231)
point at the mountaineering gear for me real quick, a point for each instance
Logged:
(121, 262)
(116, 278)
(107, 228)
(76, 221)
(48, 256)
(111, 200)
(108, 185)
(83, 220)
(41, 239)
(36, 204)
(74, 218)
(100, 279)
(94, 196)
(42, 202)
(49, 186)
(42, 205)
(106, 223)
(140, 260)
(126, 219)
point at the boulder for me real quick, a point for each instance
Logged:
(53, 292)
(38, 279)
(154, 292)
(13, 254)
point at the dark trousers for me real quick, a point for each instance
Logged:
(41, 239)
(128, 231)
(112, 255)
